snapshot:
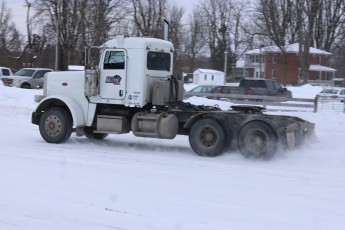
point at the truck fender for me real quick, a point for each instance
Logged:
(192, 120)
(75, 110)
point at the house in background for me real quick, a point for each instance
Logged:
(208, 77)
(187, 77)
(270, 63)
(240, 71)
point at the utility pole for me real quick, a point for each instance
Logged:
(225, 65)
(57, 38)
(57, 47)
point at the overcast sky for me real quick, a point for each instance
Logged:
(187, 4)
(19, 13)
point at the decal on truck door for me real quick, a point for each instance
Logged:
(116, 80)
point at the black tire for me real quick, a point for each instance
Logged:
(25, 86)
(257, 139)
(95, 136)
(207, 138)
(55, 125)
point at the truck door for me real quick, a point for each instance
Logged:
(113, 74)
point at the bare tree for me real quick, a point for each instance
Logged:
(275, 20)
(104, 16)
(307, 11)
(9, 35)
(176, 35)
(33, 47)
(338, 60)
(66, 18)
(317, 23)
(217, 17)
(224, 32)
(239, 37)
(195, 38)
(148, 17)
(329, 26)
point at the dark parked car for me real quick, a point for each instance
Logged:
(264, 87)
(255, 87)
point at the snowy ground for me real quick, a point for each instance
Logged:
(134, 183)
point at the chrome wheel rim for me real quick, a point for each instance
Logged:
(207, 137)
(53, 126)
(256, 141)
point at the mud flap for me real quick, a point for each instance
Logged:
(305, 132)
(290, 136)
(290, 139)
(308, 130)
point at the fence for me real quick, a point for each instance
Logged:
(329, 83)
(274, 103)
(325, 104)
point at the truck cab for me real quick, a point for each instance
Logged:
(127, 70)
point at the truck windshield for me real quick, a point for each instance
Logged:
(114, 60)
(158, 61)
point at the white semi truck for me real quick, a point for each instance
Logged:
(131, 89)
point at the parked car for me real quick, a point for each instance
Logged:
(213, 89)
(28, 78)
(252, 87)
(4, 72)
(265, 87)
(198, 90)
(335, 93)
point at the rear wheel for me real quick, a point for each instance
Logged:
(207, 138)
(258, 140)
(55, 125)
(95, 136)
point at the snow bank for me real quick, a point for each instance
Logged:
(126, 182)
(305, 91)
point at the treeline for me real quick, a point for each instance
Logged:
(213, 29)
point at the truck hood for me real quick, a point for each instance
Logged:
(57, 82)
(66, 74)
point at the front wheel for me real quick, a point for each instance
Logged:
(55, 125)
(207, 138)
(257, 139)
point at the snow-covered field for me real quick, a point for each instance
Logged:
(131, 183)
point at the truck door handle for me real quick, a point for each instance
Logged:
(121, 93)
